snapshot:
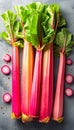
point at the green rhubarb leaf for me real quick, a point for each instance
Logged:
(37, 24)
(19, 35)
(13, 27)
(29, 17)
(17, 27)
(72, 42)
(32, 30)
(48, 32)
(9, 19)
(39, 21)
(35, 20)
(64, 41)
(35, 6)
(62, 22)
(22, 13)
(5, 36)
(19, 43)
(53, 10)
(17, 30)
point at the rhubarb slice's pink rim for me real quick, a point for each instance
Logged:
(68, 92)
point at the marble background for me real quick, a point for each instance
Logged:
(67, 9)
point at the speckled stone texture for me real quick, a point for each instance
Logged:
(6, 123)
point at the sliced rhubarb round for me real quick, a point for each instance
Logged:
(5, 69)
(7, 58)
(7, 97)
(69, 78)
(69, 61)
(68, 92)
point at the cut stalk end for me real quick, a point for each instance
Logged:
(13, 116)
(26, 118)
(45, 120)
(59, 120)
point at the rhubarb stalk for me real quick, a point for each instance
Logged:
(63, 42)
(58, 102)
(27, 65)
(26, 80)
(11, 37)
(16, 107)
(35, 92)
(47, 71)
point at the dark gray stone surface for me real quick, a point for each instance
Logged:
(67, 8)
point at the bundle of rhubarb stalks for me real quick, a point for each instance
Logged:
(41, 31)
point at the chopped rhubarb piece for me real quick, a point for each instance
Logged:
(7, 97)
(68, 92)
(69, 78)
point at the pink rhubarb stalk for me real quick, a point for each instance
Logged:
(51, 81)
(11, 22)
(16, 105)
(35, 92)
(26, 80)
(58, 102)
(47, 85)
